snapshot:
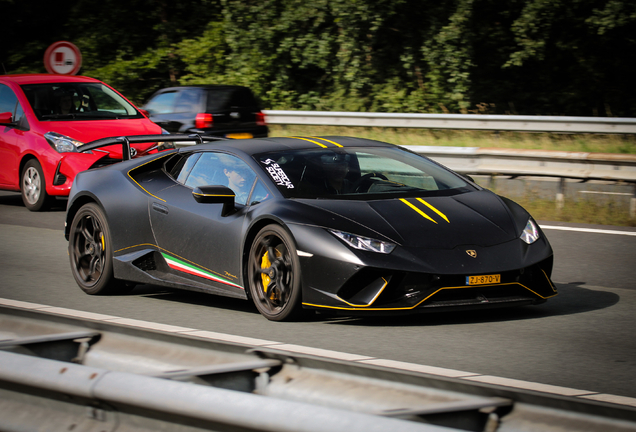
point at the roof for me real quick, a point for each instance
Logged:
(45, 78)
(264, 145)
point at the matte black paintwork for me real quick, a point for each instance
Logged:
(151, 217)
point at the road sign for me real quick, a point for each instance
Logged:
(63, 58)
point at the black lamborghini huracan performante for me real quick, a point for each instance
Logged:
(333, 224)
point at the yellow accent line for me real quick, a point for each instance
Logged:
(212, 195)
(429, 296)
(137, 167)
(434, 209)
(417, 210)
(311, 141)
(329, 141)
(174, 254)
(372, 300)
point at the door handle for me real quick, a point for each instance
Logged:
(159, 208)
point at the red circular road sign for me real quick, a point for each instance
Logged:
(63, 58)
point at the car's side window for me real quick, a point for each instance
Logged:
(161, 104)
(214, 168)
(9, 103)
(182, 169)
(187, 102)
(8, 99)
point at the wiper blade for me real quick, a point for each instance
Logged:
(59, 116)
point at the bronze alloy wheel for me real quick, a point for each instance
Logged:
(274, 274)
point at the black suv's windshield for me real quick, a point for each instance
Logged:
(77, 101)
(358, 173)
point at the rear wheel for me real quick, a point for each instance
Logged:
(33, 187)
(91, 254)
(274, 274)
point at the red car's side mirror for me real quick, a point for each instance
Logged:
(144, 112)
(6, 118)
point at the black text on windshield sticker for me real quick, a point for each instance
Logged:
(277, 174)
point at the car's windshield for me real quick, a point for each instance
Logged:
(77, 101)
(358, 173)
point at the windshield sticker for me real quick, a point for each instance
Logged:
(277, 174)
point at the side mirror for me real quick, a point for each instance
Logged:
(469, 178)
(144, 112)
(6, 118)
(216, 195)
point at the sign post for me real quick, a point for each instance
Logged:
(63, 58)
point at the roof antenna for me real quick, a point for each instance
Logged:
(4, 69)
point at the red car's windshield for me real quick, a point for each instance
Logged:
(77, 101)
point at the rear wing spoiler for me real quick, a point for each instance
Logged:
(126, 141)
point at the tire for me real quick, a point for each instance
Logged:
(275, 285)
(33, 186)
(91, 254)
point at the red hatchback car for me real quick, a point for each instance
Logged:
(45, 118)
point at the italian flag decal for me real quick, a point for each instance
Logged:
(179, 265)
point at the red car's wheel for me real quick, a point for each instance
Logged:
(33, 187)
(274, 274)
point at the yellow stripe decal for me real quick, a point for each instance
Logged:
(434, 209)
(311, 141)
(329, 141)
(417, 210)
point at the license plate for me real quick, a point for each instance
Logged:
(483, 279)
(240, 135)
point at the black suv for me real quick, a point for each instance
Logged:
(218, 110)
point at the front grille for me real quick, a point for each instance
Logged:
(424, 290)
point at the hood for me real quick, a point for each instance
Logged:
(91, 130)
(475, 218)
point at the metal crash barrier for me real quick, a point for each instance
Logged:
(63, 373)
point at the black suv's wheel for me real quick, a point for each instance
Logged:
(33, 187)
(91, 254)
(274, 274)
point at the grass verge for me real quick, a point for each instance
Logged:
(584, 211)
(625, 144)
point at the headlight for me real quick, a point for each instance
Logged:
(62, 143)
(364, 243)
(530, 233)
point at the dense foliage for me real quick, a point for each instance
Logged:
(545, 57)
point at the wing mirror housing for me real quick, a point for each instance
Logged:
(216, 195)
(6, 118)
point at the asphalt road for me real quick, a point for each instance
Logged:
(582, 339)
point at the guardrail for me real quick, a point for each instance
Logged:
(538, 163)
(64, 373)
(600, 125)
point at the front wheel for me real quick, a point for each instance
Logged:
(91, 254)
(274, 274)
(33, 187)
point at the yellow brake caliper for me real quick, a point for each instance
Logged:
(265, 263)
(264, 276)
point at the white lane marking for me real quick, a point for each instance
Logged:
(589, 230)
(355, 358)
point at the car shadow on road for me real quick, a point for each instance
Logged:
(573, 298)
(194, 298)
(14, 199)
